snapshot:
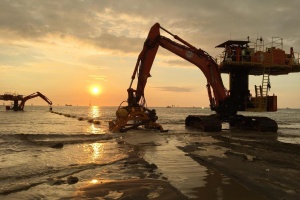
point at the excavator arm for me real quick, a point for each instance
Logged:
(198, 57)
(136, 111)
(33, 95)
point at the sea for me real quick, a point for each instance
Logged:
(29, 166)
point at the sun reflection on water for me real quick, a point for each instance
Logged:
(95, 151)
(95, 111)
(95, 114)
(93, 129)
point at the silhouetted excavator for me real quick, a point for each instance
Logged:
(16, 98)
(239, 60)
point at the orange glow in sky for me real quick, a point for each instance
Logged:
(74, 53)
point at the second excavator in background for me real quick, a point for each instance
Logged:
(239, 61)
(16, 98)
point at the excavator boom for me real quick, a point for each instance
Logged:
(188, 52)
(145, 61)
(33, 95)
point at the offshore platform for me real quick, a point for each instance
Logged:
(16, 98)
(243, 58)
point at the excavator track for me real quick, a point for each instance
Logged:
(211, 123)
(253, 123)
(265, 124)
(207, 123)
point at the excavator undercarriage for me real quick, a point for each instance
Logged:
(133, 117)
(212, 123)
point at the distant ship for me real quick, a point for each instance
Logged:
(171, 106)
(68, 105)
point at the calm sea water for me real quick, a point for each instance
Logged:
(27, 161)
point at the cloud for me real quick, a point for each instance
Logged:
(174, 89)
(123, 25)
(179, 63)
(117, 43)
(99, 77)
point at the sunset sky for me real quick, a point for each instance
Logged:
(64, 48)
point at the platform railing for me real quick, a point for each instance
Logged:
(297, 58)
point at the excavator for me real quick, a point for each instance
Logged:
(15, 98)
(225, 103)
(33, 95)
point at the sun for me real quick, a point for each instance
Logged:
(95, 90)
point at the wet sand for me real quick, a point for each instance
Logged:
(132, 178)
(131, 189)
(243, 166)
(258, 162)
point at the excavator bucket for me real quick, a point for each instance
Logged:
(132, 117)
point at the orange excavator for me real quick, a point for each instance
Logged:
(15, 98)
(225, 103)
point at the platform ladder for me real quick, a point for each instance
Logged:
(261, 91)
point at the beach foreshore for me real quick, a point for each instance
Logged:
(195, 165)
(254, 166)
